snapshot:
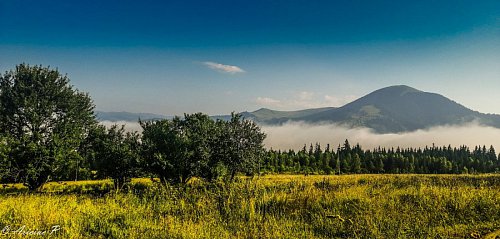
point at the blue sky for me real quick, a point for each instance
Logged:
(172, 57)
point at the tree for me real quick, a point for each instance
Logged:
(46, 119)
(379, 167)
(201, 131)
(356, 164)
(345, 165)
(325, 163)
(492, 156)
(177, 150)
(5, 162)
(347, 146)
(115, 154)
(337, 164)
(239, 145)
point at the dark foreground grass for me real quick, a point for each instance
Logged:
(281, 206)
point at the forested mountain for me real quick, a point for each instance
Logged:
(268, 116)
(388, 110)
(398, 109)
(391, 110)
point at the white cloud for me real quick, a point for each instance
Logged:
(305, 95)
(338, 101)
(223, 68)
(266, 101)
(304, 100)
(129, 125)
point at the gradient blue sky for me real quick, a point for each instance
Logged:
(171, 57)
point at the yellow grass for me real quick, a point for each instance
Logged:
(275, 206)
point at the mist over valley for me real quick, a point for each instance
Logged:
(395, 116)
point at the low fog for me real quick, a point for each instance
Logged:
(294, 135)
(129, 126)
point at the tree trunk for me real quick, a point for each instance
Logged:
(35, 184)
(233, 174)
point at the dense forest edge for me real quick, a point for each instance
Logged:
(49, 132)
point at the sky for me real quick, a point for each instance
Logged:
(175, 57)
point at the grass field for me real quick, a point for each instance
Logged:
(277, 206)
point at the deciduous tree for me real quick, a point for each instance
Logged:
(178, 149)
(115, 154)
(239, 145)
(46, 119)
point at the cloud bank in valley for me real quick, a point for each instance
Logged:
(129, 125)
(294, 135)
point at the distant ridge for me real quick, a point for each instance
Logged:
(127, 116)
(268, 116)
(392, 109)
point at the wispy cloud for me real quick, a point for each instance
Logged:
(266, 101)
(305, 95)
(338, 101)
(223, 68)
(305, 99)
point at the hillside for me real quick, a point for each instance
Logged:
(268, 116)
(126, 116)
(392, 109)
(401, 108)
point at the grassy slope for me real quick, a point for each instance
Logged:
(273, 116)
(353, 206)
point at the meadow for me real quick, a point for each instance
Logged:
(271, 206)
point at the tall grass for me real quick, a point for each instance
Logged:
(278, 206)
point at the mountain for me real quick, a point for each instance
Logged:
(263, 115)
(268, 116)
(392, 109)
(127, 116)
(397, 109)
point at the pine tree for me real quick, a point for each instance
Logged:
(356, 164)
(380, 166)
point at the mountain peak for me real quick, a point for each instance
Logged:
(396, 90)
(262, 110)
(400, 108)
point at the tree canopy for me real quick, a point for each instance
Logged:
(114, 153)
(179, 149)
(45, 119)
(239, 145)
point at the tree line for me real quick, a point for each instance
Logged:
(347, 159)
(49, 132)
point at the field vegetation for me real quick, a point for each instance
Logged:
(273, 206)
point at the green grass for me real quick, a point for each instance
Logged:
(277, 206)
